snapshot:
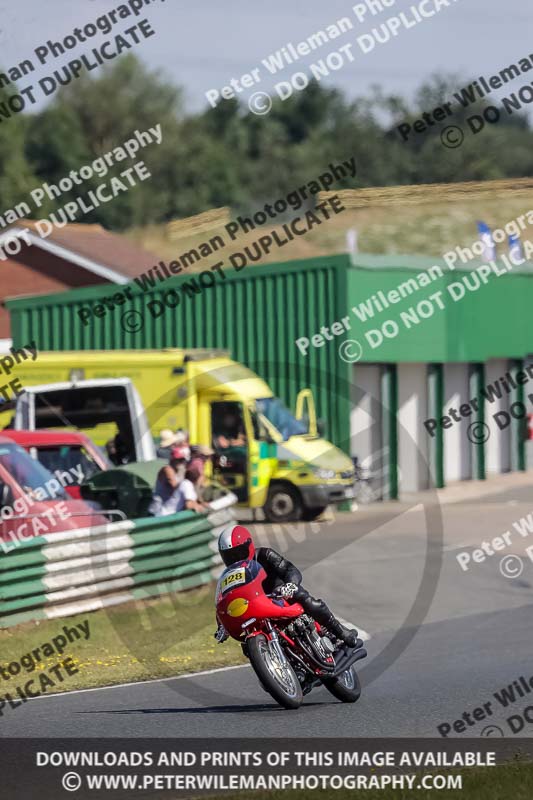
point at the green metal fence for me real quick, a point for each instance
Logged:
(62, 574)
(257, 314)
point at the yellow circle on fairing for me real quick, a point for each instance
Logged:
(237, 607)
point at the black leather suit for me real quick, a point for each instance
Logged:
(279, 571)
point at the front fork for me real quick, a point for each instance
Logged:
(275, 644)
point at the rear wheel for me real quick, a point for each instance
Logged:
(275, 674)
(346, 687)
(283, 504)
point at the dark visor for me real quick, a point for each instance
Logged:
(239, 553)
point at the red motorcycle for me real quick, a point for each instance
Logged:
(289, 652)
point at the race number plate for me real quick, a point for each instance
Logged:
(232, 579)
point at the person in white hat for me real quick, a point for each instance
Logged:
(167, 440)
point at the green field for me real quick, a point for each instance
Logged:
(161, 638)
(509, 782)
(429, 229)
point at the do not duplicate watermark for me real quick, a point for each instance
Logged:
(287, 230)
(86, 61)
(32, 662)
(453, 135)
(292, 53)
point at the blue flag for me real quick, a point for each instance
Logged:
(515, 248)
(489, 248)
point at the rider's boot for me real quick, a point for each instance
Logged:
(349, 637)
(321, 612)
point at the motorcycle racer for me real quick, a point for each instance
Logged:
(235, 544)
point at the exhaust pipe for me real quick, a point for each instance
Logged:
(349, 657)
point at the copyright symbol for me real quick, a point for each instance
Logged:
(260, 103)
(350, 351)
(452, 137)
(511, 566)
(478, 432)
(71, 781)
(132, 321)
(492, 730)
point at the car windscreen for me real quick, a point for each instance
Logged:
(80, 407)
(280, 417)
(83, 408)
(70, 458)
(29, 474)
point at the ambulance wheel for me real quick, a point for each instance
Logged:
(283, 504)
(309, 514)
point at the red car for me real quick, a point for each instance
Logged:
(33, 502)
(71, 454)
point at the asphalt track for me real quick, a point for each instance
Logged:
(475, 638)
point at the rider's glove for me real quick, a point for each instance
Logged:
(221, 634)
(288, 590)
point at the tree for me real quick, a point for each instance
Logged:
(55, 145)
(16, 175)
(101, 114)
(227, 156)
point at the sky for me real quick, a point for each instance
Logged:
(203, 45)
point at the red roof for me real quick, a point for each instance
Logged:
(95, 243)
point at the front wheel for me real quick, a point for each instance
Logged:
(346, 687)
(276, 675)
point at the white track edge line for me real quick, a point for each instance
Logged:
(139, 683)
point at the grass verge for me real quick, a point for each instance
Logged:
(158, 638)
(489, 783)
(430, 229)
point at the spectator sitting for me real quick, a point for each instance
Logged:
(167, 497)
(230, 431)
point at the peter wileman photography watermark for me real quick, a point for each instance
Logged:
(86, 61)
(490, 393)
(453, 135)
(287, 231)
(505, 697)
(292, 53)
(511, 565)
(467, 282)
(27, 525)
(8, 363)
(33, 662)
(12, 242)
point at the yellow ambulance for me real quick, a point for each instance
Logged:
(270, 458)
